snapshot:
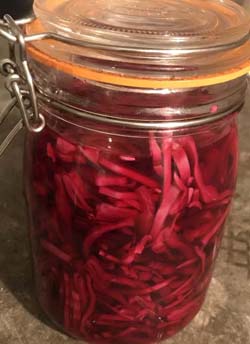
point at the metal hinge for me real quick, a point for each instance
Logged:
(19, 83)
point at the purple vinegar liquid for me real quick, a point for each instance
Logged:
(90, 290)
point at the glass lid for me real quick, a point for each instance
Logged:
(150, 24)
(160, 40)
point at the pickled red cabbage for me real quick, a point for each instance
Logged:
(125, 243)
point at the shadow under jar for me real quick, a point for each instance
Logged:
(130, 183)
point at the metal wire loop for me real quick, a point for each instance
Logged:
(19, 22)
(19, 82)
(135, 124)
(7, 67)
(19, 79)
(21, 45)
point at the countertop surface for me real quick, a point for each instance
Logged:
(224, 318)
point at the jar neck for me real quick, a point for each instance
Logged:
(139, 104)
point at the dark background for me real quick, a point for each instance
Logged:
(16, 8)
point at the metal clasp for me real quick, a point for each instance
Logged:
(19, 83)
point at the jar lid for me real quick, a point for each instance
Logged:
(145, 43)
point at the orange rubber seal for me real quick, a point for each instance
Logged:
(109, 77)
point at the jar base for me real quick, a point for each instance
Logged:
(60, 328)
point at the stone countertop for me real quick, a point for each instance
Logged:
(225, 317)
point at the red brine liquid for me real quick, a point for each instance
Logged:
(126, 231)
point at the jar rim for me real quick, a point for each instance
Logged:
(37, 53)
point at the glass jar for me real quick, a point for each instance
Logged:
(126, 223)
(130, 183)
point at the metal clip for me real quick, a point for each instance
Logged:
(19, 83)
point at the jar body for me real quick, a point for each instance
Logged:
(126, 225)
